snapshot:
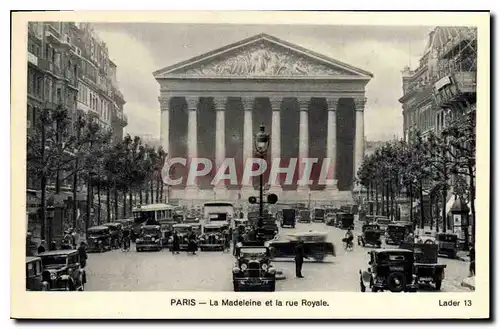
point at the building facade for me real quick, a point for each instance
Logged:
(69, 66)
(443, 87)
(313, 106)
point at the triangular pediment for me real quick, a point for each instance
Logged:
(262, 56)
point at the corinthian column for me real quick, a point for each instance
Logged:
(275, 138)
(331, 142)
(303, 185)
(247, 102)
(220, 139)
(165, 122)
(359, 142)
(192, 138)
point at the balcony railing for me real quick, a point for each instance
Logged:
(454, 88)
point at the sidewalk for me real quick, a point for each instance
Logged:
(469, 282)
(463, 256)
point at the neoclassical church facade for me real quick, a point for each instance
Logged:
(312, 105)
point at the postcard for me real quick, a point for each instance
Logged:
(235, 165)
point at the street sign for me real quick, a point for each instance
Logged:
(272, 198)
(252, 200)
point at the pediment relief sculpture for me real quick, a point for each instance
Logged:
(263, 60)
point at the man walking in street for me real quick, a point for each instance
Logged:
(176, 244)
(82, 251)
(299, 258)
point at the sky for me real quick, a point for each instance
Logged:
(138, 49)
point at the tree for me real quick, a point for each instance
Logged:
(48, 153)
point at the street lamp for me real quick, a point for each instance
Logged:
(50, 211)
(261, 142)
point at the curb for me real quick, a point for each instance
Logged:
(468, 284)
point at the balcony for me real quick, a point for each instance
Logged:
(32, 59)
(455, 88)
(53, 35)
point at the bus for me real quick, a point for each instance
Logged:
(153, 214)
(218, 212)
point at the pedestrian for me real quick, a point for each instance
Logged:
(236, 235)
(53, 246)
(126, 239)
(472, 264)
(299, 258)
(41, 247)
(176, 244)
(192, 242)
(82, 251)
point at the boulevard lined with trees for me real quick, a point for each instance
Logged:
(63, 151)
(437, 165)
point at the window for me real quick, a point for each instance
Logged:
(59, 95)
(39, 87)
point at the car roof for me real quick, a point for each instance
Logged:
(63, 252)
(212, 225)
(98, 228)
(395, 250)
(151, 226)
(30, 259)
(182, 225)
(152, 207)
(111, 224)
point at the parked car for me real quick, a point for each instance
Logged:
(447, 244)
(150, 238)
(344, 220)
(395, 234)
(253, 269)
(116, 232)
(34, 279)
(389, 269)
(370, 236)
(212, 237)
(62, 270)
(304, 216)
(98, 239)
(427, 270)
(288, 218)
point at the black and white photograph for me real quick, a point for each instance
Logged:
(252, 157)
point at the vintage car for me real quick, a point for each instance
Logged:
(98, 239)
(382, 221)
(389, 269)
(395, 234)
(315, 246)
(344, 220)
(116, 232)
(330, 219)
(34, 279)
(191, 219)
(304, 216)
(253, 269)
(447, 244)
(319, 215)
(183, 231)
(370, 236)
(62, 270)
(213, 237)
(149, 238)
(288, 218)
(426, 267)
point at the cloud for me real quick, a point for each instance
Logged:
(135, 65)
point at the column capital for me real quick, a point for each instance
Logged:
(247, 102)
(275, 102)
(220, 102)
(359, 103)
(332, 103)
(164, 103)
(192, 102)
(304, 103)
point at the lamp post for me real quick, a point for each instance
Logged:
(50, 211)
(261, 146)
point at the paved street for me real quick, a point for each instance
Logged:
(211, 271)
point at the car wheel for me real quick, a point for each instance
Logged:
(438, 285)
(374, 289)
(396, 281)
(273, 286)
(67, 286)
(236, 286)
(452, 255)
